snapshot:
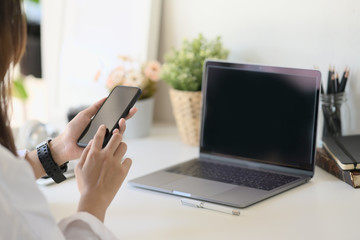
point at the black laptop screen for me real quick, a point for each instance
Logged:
(257, 113)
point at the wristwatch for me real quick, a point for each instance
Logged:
(51, 168)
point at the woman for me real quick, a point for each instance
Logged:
(99, 173)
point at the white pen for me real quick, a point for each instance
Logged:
(211, 206)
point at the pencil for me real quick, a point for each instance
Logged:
(344, 80)
(333, 84)
(337, 83)
(329, 83)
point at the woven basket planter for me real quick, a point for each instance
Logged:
(187, 112)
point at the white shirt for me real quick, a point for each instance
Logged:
(25, 214)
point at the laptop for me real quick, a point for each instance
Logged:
(258, 136)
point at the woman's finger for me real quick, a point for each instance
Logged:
(131, 113)
(82, 119)
(114, 142)
(84, 154)
(120, 151)
(122, 126)
(90, 111)
(126, 164)
(99, 137)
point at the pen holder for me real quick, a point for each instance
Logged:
(336, 113)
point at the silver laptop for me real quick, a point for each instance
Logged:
(258, 136)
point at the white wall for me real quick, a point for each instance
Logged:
(300, 33)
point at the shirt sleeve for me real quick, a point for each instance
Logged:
(83, 225)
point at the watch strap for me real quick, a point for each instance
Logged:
(51, 168)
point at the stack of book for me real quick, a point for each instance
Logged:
(340, 156)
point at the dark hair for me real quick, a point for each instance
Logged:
(12, 47)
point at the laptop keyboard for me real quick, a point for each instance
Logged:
(233, 175)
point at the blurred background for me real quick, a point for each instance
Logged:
(70, 41)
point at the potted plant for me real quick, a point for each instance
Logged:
(182, 70)
(145, 75)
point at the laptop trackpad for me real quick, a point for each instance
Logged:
(198, 187)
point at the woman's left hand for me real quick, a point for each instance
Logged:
(64, 147)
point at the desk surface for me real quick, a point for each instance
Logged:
(324, 208)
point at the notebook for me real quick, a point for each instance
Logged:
(258, 136)
(344, 150)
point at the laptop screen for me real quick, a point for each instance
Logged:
(260, 113)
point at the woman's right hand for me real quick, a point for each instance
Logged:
(101, 171)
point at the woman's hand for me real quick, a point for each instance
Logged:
(64, 147)
(101, 171)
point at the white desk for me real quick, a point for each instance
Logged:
(324, 208)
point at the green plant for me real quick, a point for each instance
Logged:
(183, 68)
(34, 1)
(18, 89)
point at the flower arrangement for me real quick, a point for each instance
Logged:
(183, 68)
(131, 72)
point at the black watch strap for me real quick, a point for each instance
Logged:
(51, 168)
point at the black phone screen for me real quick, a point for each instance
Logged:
(116, 106)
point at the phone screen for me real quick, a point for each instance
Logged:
(116, 106)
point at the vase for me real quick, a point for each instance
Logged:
(336, 113)
(187, 112)
(140, 124)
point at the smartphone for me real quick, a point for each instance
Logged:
(117, 105)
